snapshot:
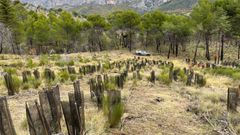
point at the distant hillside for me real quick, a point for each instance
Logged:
(104, 7)
(178, 5)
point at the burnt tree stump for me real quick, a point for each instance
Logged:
(25, 76)
(6, 124)
(36, 74)
(119, 81)
(200, 80)
(153, 77)
(171, 72)
(79, 97)
(49, 75)
(71, 70)
(51, 108)
(175, 74)
(232, 99)
(36, 121)
(99, 93)
(74, 111)
(92, 84)
(190, 77)
(114, 99)
(9, 84)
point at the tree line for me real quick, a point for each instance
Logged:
(64, 31)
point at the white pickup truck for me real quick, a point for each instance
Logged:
(142, 53)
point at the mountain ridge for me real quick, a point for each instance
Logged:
(107, 6)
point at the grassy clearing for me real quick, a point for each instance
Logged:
(204, 102)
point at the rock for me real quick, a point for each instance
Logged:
(158, 99)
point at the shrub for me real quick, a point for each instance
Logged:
(236, 76)
(49, 75)
(32, 83)
(44, 60)
(106, 65)
(30, 63)
(64, 75)
(182, 76)
(110, 85)
(105, 105)
(35, 83)
(73, 77)
(164, 77)
(60, 63)
(26, 86)
(16, 83)
(70, 63)
(10, 70)
(117, 111)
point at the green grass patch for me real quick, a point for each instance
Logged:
(164, 76)
(229, 72)
(60, 63)
(30, 63)
(70, 63)
(117, 110)
(44, 60)
(16, 83)
(10, 70)
(64, 76)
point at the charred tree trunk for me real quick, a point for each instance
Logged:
(6, 123)
(176, 47)
(207, 38)
(172, 47)
(169, 50)
(100, 44)
(222, 47)
(130, 41)
(196, 49)
(238, 49)
(183, 46)
(13, 49)
(146, 42)
(31, 44)
(1, 46)
(18, 49)
(158, 42)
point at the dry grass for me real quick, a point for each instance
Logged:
(149, 109)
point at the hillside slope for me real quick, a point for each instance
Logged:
(178, 5)
(106, 6)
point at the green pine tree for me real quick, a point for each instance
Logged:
(7, 15)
